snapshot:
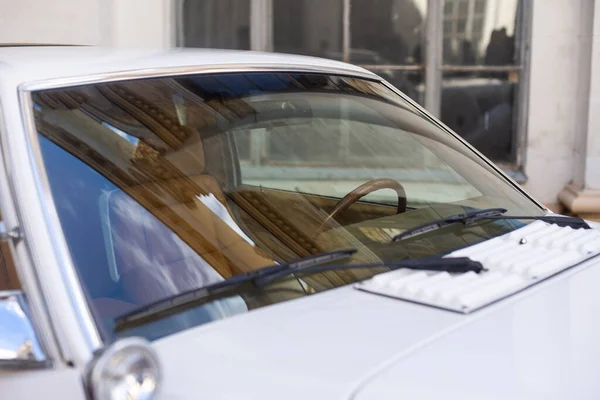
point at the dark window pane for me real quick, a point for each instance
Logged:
(310, 27)
(480, 108)
(479, 6)
(448, 27)
(485, 36)
(461, 25)
(463, 7)
(477, 28)
(448, 51)
(387, 31)
(223, 24)
(448, 8)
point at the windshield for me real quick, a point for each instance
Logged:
(166, 185)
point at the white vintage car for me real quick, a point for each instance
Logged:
(236, 225)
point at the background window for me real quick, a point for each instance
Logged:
(392, 30)
(387, 37)
(478, 99)
(472, 59)
(223, 24)
(310, 27)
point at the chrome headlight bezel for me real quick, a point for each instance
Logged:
(129, 361)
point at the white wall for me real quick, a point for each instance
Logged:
(142, 23)
(122, 23)
(65, 21)
(559, 91)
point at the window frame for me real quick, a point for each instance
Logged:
(261, 39)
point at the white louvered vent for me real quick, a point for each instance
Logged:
(514, 261)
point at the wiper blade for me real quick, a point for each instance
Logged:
(491, 214)
(227, 287)
(573, 222)
(451, 264)
(466, 218)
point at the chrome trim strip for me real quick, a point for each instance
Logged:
(67, 269)
(190, 70)
(107, 363)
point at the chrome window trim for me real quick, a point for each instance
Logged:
(74, 291)
(66, 265)
(29, 279)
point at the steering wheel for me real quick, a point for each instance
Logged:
(363, 190)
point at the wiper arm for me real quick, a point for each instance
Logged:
(434, 263)
(492, 214)
(466, 218)
(225, 288)
(573, 222)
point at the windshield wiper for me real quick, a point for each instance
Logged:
(471, 217)
(229, 286)
(259, 278)
(466, 218)
(434, 263)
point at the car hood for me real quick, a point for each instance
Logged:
(540, 343)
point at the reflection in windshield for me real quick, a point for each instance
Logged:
(167, 185)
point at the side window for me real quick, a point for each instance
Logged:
(8, 271)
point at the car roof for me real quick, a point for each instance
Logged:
(23, 64)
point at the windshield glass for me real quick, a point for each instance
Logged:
(166, 185)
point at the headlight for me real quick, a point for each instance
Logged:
(127, 370)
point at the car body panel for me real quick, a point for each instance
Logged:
(540, 343)
(543, 346)
(52, 383)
